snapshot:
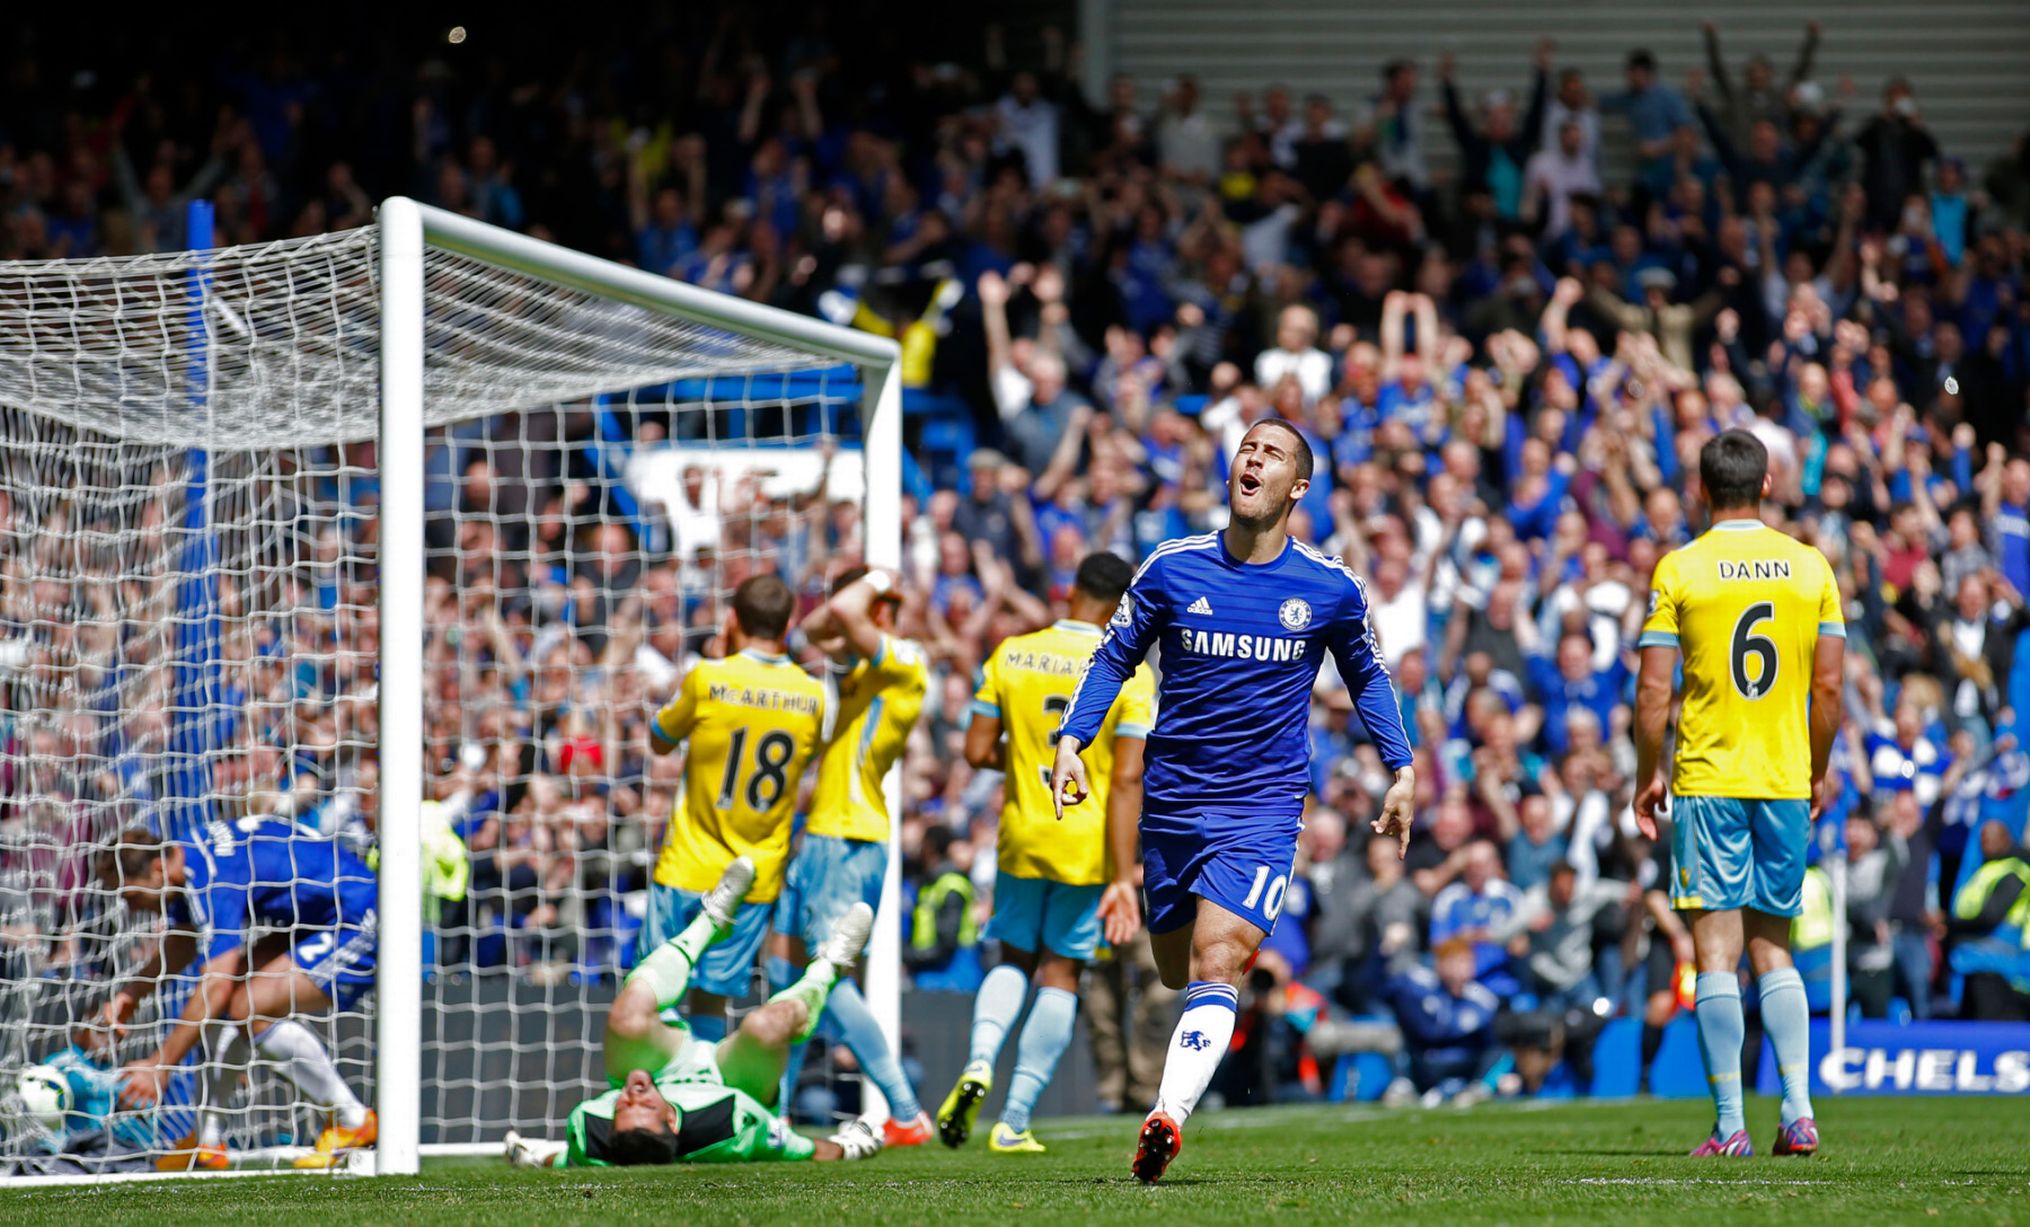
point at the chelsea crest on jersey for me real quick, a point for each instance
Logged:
(1241, 647)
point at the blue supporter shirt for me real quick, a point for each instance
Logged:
(1242, 644)
(2012, 544)
(1441, 1027)
(266, 873)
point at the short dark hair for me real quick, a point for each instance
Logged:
(1104, 576)
(1560, 868)
(763, 605)
(641, 1147)
(1303, 449)
(937, 841)
(130, 857)
(1732, 465)
(1641, 58)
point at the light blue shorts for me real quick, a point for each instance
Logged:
(828, 875)
(1036, 914)
(1729, 853)
(727, 969)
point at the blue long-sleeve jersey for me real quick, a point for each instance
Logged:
(267, 873)
(1242, 644)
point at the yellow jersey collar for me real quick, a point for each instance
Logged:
(1077, 627)
(766, 658)
(1736, 526)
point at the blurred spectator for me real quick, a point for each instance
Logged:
(1990, 915)
(1447, 1019)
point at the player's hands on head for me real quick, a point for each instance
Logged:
(1068, 783)
(1121, 911)
(1650, 800)
(1399, 810)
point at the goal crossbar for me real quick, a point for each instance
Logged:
(407, 229)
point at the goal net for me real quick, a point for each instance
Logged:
(371, 554)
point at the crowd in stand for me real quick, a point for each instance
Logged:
(1506, 372)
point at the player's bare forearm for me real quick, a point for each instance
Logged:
(1399, 809)
(1652, 711)
(1068, 785)
(1829, 662)
(210, 999)
(852, 608)
(174, 950)
(983, 742)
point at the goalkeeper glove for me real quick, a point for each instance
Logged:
(521, 1152)
(858, 1139)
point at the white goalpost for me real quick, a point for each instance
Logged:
(394, 538)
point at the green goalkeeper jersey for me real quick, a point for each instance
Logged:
(716, 1123)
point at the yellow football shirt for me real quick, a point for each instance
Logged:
(1027, 683)
(1745, 604)
(751, 724)
(878, 703)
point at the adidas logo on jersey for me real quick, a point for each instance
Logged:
(1200, 606)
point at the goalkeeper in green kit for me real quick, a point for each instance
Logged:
(680, 1099)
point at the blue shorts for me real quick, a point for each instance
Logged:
(1036, 914)
(1729, 853)
(1241, 862)
(727, 969)
(341, 961)
(828, 876)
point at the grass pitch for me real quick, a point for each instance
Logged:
(1886, 1160)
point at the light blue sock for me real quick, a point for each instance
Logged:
(781, 974)
(995, 1010)
(1721, 1032)
(1044, 1038)
(1786, 1017)
(855, 1026)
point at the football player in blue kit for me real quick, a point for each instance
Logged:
(1243, 618)
(316, 901)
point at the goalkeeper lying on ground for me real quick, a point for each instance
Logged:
(679, 1099)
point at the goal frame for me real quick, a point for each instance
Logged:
(407, 229)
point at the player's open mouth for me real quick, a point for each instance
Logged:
(1249, 483)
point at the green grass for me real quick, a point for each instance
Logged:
(1887, 1160)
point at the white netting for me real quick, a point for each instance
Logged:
(189, 632)
(122, 346)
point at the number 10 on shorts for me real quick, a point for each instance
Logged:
(1274, 889)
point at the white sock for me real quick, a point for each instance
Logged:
(1197, 1046)
(302, 1059)
(228, 1053)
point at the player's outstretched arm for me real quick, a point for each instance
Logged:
(109, 1025)
(142, 1080)
(1129, 635)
